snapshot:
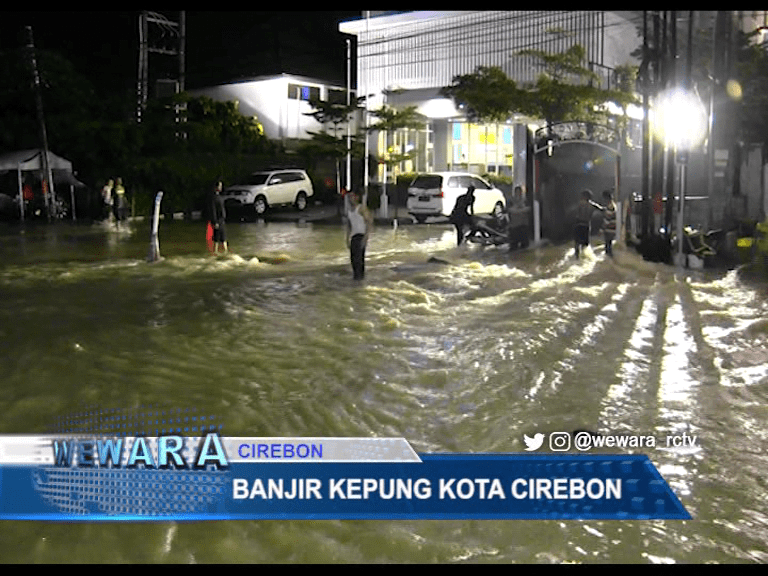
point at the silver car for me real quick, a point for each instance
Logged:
(267, 189)
(435, 194)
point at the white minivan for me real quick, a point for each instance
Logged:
(435, 194)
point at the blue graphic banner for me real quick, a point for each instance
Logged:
(252, 479)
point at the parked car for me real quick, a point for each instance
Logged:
(267, 189)
(435, 194)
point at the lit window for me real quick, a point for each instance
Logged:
(456, 131)
(296, 92)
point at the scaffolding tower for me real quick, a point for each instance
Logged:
(161, 35)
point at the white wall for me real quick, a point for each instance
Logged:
(621, 38)
(268, 100)
(420, 50)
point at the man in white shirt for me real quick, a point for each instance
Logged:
(359, 224)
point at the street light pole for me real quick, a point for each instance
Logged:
(646, 131)
(349, 134)
(683, 158)
(365, 65)
(670, 153)
(711, 126)
(680, 242)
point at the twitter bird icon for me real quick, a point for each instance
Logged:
(534, 443)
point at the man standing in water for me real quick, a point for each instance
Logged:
(583, 227)
(106, 200)
(359, 224)
(118, 202)
(217, 216)
(609, 221)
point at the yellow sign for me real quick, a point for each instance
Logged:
(481, 137)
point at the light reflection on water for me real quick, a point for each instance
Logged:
(463, 354)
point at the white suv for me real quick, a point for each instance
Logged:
(270, 188)
(435, 194)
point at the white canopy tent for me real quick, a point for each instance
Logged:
(31, 161)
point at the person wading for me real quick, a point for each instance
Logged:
(359, 224)
(462, 213)
(217, 223)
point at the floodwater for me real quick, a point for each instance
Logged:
(464, 355)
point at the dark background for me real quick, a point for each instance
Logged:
(220, 46)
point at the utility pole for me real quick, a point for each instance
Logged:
(349, 127)
(657, 145)
(46, 180)
(366, 66)
(711, 122)
(671, 82)
(646, 131)
(683, 159)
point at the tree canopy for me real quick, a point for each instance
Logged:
(389, 120)
(205, 125)
(70, 108)
(330, 144)
(564, 90)
(335, 113)
(486, 95)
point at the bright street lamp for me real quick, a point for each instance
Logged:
(681, 121)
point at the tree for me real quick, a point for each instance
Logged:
(187, 157)
(207, 125)
(326, 145)
(335, 113)
(564, 90)
(487, 95)
(74, 117)
(561, 92)
(390, 120)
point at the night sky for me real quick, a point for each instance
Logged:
(220, 46)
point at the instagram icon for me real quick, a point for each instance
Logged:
(559, 441)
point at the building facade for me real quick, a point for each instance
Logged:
(404, 59)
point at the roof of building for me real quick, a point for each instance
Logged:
(384, 19)
(290, 77)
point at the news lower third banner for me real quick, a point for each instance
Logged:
(79, 478)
